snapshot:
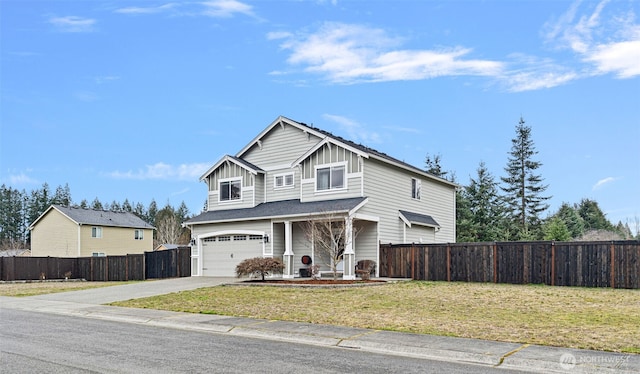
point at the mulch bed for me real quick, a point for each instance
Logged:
(310, 282)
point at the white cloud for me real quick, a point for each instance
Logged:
(146, 10)
(105, 78)
(608, 42)
(602, 182)
(226, 8)
(410, 130)
(162, 171)
(73, 23)
(20, 179)
(356, 132)
(346, 53)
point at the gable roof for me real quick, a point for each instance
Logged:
(276, 209)
(329, 137)
(98, 217)
(253, 169)
(417, 219)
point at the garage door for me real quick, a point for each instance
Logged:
(221, 254)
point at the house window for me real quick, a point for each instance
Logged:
(330, 178)
(416, 186)
(138, 235)
(96, 232)
(283, 181)
(99, 254)
(230, 189)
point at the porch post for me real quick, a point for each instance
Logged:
(288, 252)
(349, 256)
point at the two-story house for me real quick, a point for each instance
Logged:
(260, 200)
(76, 232)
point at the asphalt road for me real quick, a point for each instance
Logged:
(39, 342)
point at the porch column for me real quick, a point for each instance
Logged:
(288, 252)
(349, 256)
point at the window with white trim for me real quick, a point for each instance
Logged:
(331, 177)
(416, 186)
(138, 234)
(99, 254)
(230, 189)
(283, 181)
(96, 232)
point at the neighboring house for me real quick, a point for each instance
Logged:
(163, 247)
(260, 199)
(77, 232)
(15, 253)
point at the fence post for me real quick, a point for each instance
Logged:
(613, 268)
(495, 262)
(553, 263)
(413, 261)
(448, 262)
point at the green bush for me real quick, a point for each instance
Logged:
(259, 266)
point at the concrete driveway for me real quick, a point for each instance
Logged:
(104, 295)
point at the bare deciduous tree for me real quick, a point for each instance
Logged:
(329, 236)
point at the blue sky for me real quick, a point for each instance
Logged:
(135, 100)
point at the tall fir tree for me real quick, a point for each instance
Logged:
(522, 187)
(487, 218)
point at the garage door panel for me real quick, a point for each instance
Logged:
(221, 255)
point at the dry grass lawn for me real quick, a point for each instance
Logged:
(590, 318)
(41, 288)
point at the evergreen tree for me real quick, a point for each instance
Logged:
(84, 204)
(13, 226)
(592, 215)
(522, 187)
(126, 206)
(556, 229)
(152, 212)
(487, 218)
(62, 196)
(572, 220)
(96, 204)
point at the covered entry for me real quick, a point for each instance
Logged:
(221, 253)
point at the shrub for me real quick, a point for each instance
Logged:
(259, 266)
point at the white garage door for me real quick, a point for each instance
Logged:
(221, 254)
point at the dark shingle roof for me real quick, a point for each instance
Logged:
(286, 208)
(103, 217)
(420, 219)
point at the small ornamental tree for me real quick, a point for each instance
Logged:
(259, 266)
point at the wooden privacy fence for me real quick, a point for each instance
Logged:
(586, 264)
(161, 264)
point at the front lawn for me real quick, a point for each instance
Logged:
(590, 318)
(34, 288)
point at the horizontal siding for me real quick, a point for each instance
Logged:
(280, 194)
(55, 235)
(354, 189)
(389, 190)
(281, 145)
(115, 241)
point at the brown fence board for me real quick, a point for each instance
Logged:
(166, 264)
(585, 264)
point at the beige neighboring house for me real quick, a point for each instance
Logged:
(76, 232)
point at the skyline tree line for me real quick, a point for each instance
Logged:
(487, 210)
(19, 209)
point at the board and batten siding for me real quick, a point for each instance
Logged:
(55, 235)
(389, 190)
(275, 154)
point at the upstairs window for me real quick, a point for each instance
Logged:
(416, 186)
(96, 232)
(138, 235)
(283, 181)
(330, 178)
(230, 189)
